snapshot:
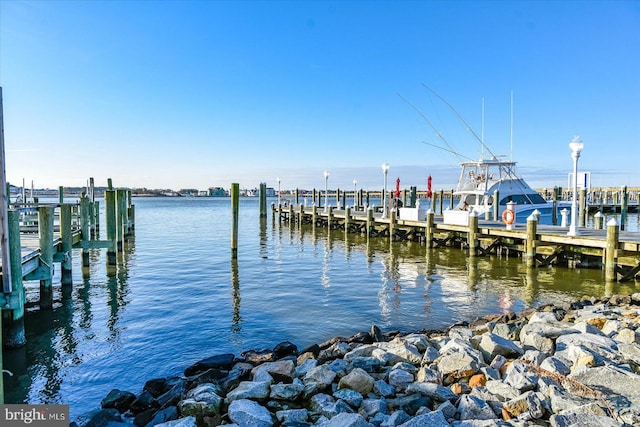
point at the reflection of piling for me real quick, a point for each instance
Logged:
(45, 234)
(610, 254)
(235, 204)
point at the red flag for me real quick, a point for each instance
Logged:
(397, 192)
(429, 192)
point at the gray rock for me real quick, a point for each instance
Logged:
(582, 420)
(167, 414)
(510, 331)
(432, 419)
(433, 391)
(395, 419)
(368, 364)
(400, 378)
(320, 375)
(534, 356)
(357, 380)
(351, 397)
(398, 351)
(529, 406)
(426, 375)
(182, 422)
(246, 412)
(501, 390)
(381, 388)
(292, 415)
(543, 316)
(118, 399)
(420, 341)
(474, 408)
(520, 377)
(410, 404)
(555, 365)
(346, 420)
(280, 370)
(430, 355)
(326, 405)
(286, 391)
(306, 366)
(458, 364)
(491, 345)
(335, 351)
(370, 407)
(250, 390)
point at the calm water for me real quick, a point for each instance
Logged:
(177, 297)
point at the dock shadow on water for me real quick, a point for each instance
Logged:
(177, 296)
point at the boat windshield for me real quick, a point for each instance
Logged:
(523, 199)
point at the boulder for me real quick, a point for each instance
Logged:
(246, 412)
(219, 361)
(357, 380)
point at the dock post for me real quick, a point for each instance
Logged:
(554, 208)
(429, 228)
(532, 232)
(61, 194)
(442, 201)
(598, 220)
(120, 219)
(84, 227)
(582, 211)
(45, 234)
(450, 202)
(610, 252)
(393, 219)
(404, 197)
(131, 210)
(369, 221)
(110, 213)
(344, 199)
(301, 213)
(624, 202)
(96, 211)
(13, 318)
(330, 217)
(347, 217)
(472, 236)
(413, 198)
(66, 278)
(496, 205)
(296, 196)
(263, 200)
(235, 207)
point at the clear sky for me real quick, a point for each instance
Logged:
(194, 94)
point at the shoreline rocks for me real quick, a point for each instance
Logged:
(575, 364)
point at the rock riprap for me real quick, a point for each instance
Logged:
(572, 365)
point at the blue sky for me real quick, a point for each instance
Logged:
(198, 94)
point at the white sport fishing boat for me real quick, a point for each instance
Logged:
(480, 180)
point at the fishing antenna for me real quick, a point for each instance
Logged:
(451, 150)
(469, 128)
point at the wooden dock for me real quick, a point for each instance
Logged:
(615, 251)
(40, 235)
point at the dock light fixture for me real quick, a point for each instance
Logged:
(385, 172)
(278, 179)
(576, 146)
(355, 196)
(326, 191)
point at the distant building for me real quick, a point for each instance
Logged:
(217, 192)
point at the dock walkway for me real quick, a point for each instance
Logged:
(615, 251)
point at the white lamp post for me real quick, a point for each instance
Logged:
(326, 191)
(278, 179)
(385, 171)
(576, 146)
(355, 197)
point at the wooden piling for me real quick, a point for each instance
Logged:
(235, 208)
(84, 227)
(598, 220)
(66, 237)
(45, 234)
(393, 220)
(369, 222)
(496, 205)
(532, 232)
(96, 219)
(263, 200)
(624, 202)
(120, 219)
(110, 213)
(472, 236)
(429, 228)
(554, 208)
(450, 201)
(611, 250)
(13, 316)
(582, 211)
(413, 197)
